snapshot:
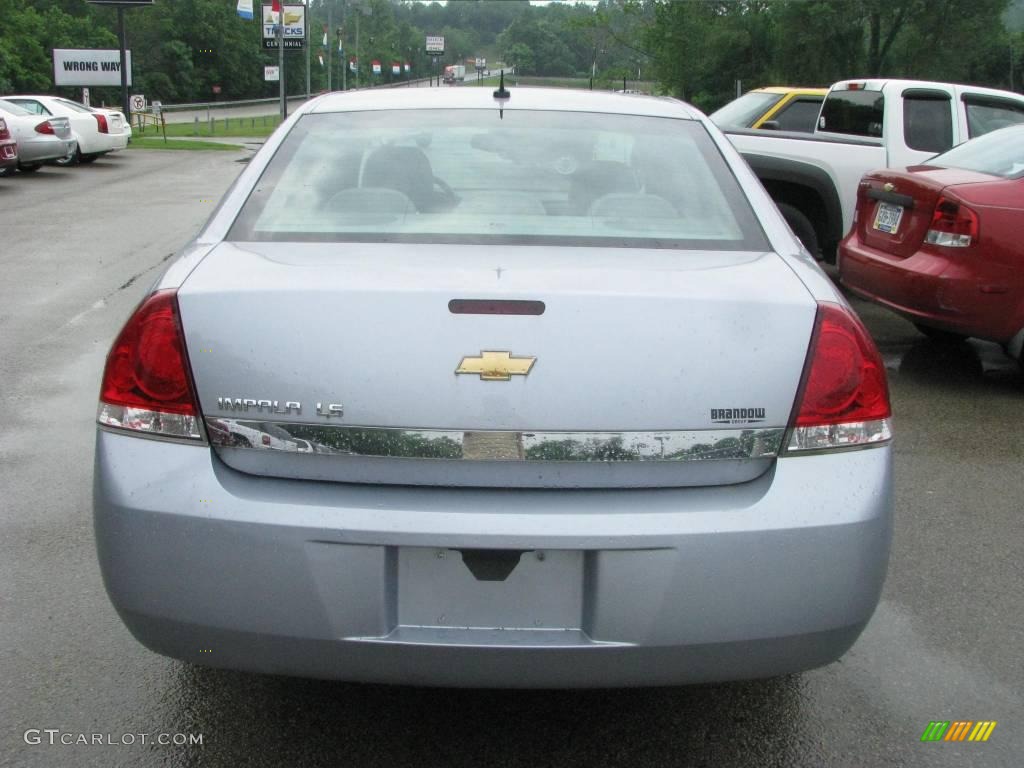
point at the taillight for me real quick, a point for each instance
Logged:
(147, 383)
(843, 400)
(101, 121)
(46, 127)
(5, 134)
(954, 225)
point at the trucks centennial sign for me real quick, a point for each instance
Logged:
(294, 26)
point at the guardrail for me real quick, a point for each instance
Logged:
(211, 106)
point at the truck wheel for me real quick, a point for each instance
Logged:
(802, 228)
(940, 336)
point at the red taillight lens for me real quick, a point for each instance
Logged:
(147, 384)
(5, 134)
(954, 225)
(101, 121)
(45, 127)
(844, 397)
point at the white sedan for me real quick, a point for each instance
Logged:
(39, 139)
(97, 132)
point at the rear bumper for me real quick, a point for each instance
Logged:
(45, 148)
(951, 292)
(646, 587)
(102, 143)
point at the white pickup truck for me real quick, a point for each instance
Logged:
(865, 125)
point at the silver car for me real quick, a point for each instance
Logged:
(582, 411)
(39, 138)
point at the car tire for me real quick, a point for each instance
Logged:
(940, 336)
(802, 228)
(9, 171)
(30, 167)
(69, 160)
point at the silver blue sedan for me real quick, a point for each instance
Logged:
(524, 388)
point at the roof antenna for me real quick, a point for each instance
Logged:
(502, 95)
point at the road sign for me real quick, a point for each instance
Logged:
(294, 26)
(89, 66)
(271, 74)
(137, 102)
(435, 45)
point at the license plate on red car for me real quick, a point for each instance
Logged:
(887, 218)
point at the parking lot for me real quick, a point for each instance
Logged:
(80, 246)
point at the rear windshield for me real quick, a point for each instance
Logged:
(857, 113)
(1000, 153)
(745, 111)
(475, 176)
(11, 108)
(74, 105)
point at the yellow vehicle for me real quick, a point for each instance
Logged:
(777, 108)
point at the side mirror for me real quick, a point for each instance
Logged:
(770, 125)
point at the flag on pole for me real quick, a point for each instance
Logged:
(321, 57)
(275, 6)
(245, 9)
(353, 64)
(376, 67)
(407, 67)
(396, 68)
(325, 35)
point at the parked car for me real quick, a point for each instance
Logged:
(97, 133)
(8, 149)
(118, 119)
(863, 125)
(776, 108)
(941, 243)
(39, 140)
(514, 482)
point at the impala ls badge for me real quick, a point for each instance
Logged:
(496, 366)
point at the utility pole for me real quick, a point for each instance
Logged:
(305, 16)
(122, 35)
(329, 26)
(280, 60)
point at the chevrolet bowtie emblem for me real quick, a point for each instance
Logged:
(496, 366)
(889, 186)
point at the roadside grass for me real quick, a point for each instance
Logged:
(231, 127)
(154, 142)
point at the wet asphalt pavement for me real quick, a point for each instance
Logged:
(79, 247)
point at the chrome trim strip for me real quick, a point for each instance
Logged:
(495, 445)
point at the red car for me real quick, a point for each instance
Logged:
(8, 149)
(943, 243)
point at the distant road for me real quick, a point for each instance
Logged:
(187, 113)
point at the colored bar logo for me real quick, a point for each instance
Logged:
(958, 730)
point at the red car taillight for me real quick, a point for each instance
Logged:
(147, 384)
(954, 225)
(101, 122)
(5, 135)
(843, 401)
(46, 127)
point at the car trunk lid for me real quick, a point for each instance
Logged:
(639, 367)
(895, 209)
